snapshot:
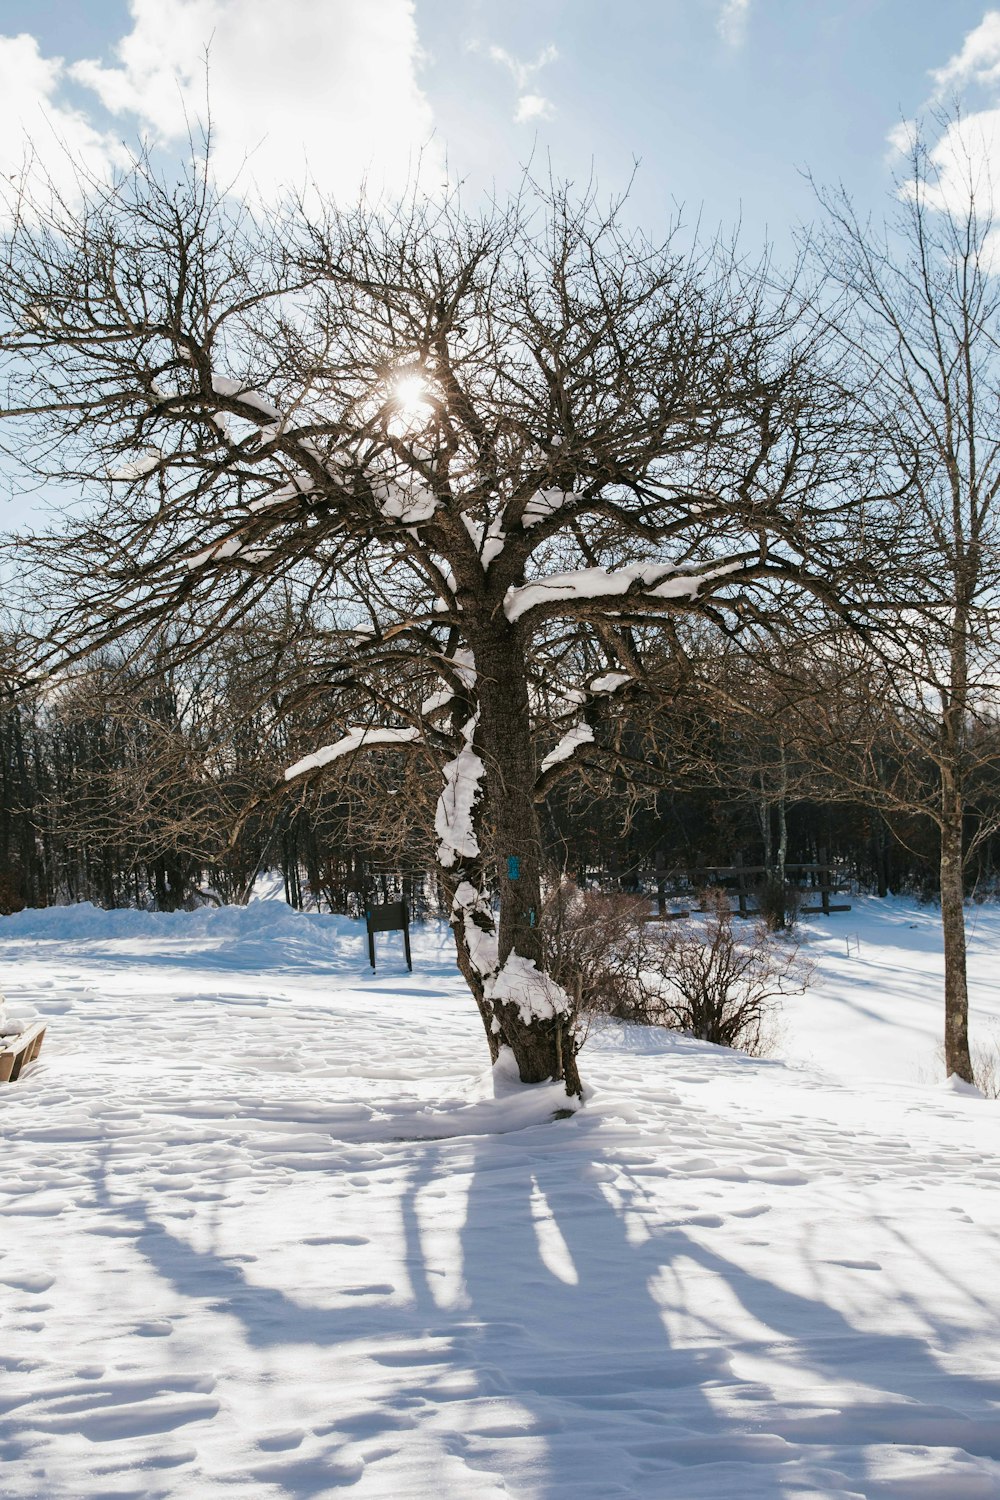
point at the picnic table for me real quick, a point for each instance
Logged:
(18, 1050)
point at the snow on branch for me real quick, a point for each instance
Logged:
(462, 663)
(609, 682)
(488, 540)
(359, 738)
(295, 489)
(580, 734)
(551, 702)
(656, 580)
(436, 703)
(228, 547)
(537, 995)
(223, 386)
(148, 460)
(409, 504)
(545, 503)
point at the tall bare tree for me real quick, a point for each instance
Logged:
(493, 455)
(919, 314)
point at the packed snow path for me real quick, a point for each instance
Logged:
(266, 1232)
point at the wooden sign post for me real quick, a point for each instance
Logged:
(389, 916)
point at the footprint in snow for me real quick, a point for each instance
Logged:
(29, 1281)
(336, 1239)
(170, 1460)
(136, 1419)
(783, 1177)
(279, 1442)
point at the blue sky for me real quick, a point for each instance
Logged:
(723, 121)
(724, 102)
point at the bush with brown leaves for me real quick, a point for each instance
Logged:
(712, 979)
(725, 985)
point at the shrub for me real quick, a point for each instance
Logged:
(706, 978)
(778, 903)
(11, 899)
(724, 986)
(986, 1065)
(596, 947)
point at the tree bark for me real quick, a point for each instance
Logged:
(544, 1046)
(471, 870)
(956, 989)
(783, 831)
(953, 738)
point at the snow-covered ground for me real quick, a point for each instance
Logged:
(268, 1232)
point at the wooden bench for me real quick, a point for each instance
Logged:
(15, 1051)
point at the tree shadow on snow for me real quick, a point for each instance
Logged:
(568, 1330)
(548, 1361)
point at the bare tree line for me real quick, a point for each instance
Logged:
(143, 783)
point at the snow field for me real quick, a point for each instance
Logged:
(268, 1228)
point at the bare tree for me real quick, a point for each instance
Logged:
(919, 314)
(493, 456)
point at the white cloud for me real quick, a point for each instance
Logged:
(966, 163)
(35, 125)
(964, 160)
(978, 61)
(530, 105)
(902, 138)
(533, 107)
(731, 22)
(320, 88)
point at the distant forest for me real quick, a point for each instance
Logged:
(145, 784)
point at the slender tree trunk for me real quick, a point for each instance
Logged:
(880, 855)
(956, 989)
(763, 809)
(782, 827)
(953, 733)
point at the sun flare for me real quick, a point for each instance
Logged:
(411, 399)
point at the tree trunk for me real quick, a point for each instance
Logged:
(950, 763)
(956, 990)
(880, 854)
(543, 1042)
(470, 872)
(782, 829)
